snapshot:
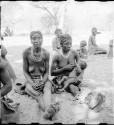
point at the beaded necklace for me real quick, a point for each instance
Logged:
(65, 55)
(36, 57)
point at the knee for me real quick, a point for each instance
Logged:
(47, 86)
(28, 88)
(71, 87)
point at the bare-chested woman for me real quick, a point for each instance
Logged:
(36, 70)
(65, 62)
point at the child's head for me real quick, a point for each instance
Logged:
(83, 43)
(58, 32)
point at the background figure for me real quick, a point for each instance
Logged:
(110, 52)
(83, 50)
(93, 48)
(56, 43)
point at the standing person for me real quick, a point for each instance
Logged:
(65, 62)
(36, 71)
(56, 43)
(93, 48)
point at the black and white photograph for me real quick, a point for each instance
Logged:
(56, 62)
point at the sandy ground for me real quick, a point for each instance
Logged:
(98, 74)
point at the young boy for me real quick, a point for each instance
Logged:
(83, 51)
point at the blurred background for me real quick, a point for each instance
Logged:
(19, 18)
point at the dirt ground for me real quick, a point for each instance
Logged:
(99, 74)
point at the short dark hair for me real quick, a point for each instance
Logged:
(64, 38)
(34, 32)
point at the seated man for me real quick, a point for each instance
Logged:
(7, 110)
(36, 71)
(93, 48)
(68, 65)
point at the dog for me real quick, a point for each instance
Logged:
(89, 110)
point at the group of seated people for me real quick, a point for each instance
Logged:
(66, 70)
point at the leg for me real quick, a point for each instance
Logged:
(73, 89)
(69, 81)
(47, 94)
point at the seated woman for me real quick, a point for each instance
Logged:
(36, 71)
(66, 66)
(8, 112)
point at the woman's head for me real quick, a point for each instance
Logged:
(36, 38)
(66, 42)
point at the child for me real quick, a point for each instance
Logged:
(83, 51)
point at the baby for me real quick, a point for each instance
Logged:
(72, 78)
